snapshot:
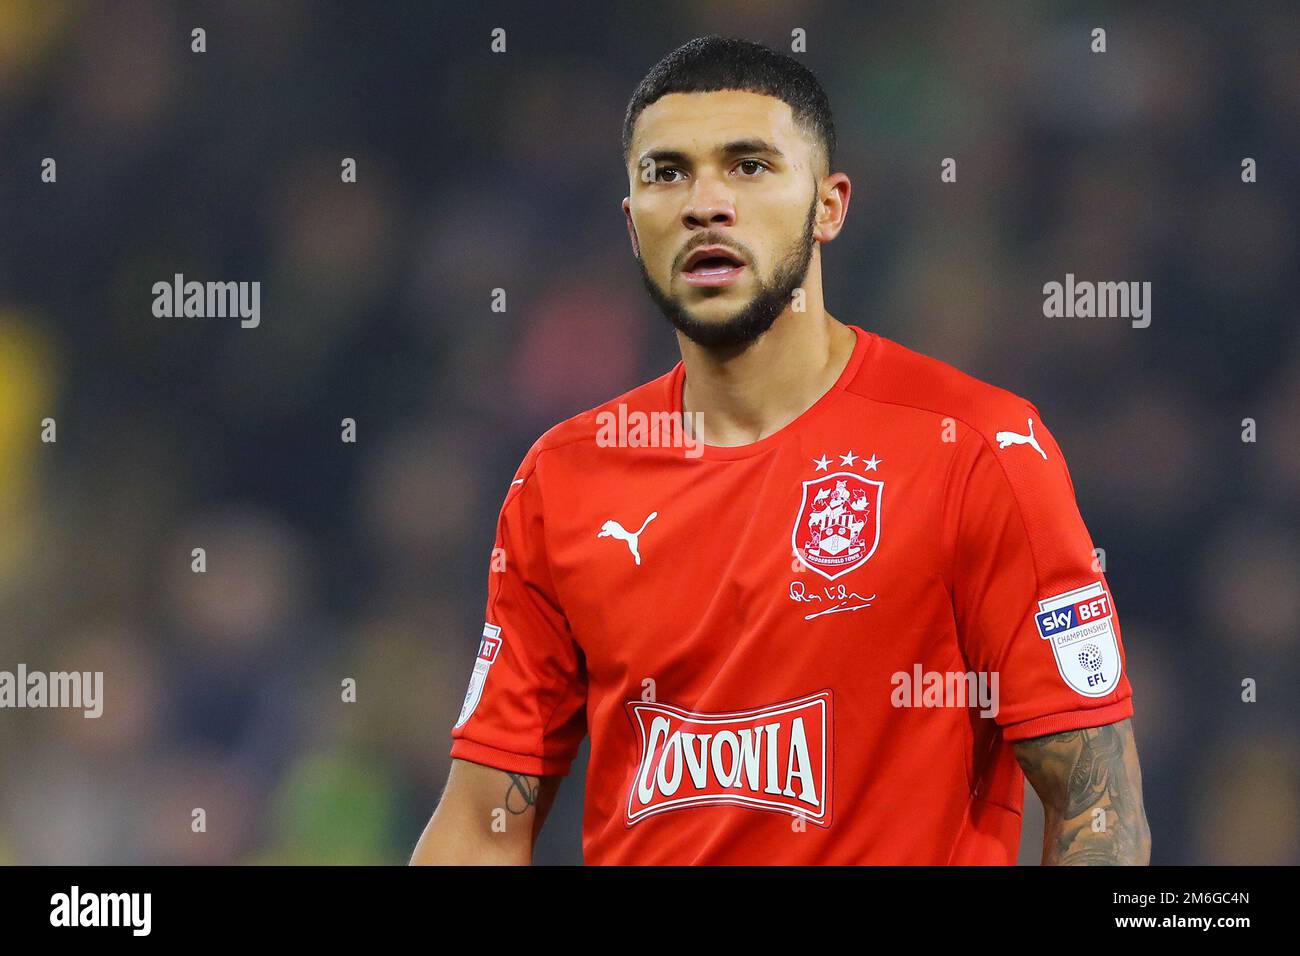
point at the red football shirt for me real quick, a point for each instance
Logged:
(813, 649)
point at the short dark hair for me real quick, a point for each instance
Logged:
(712, 63)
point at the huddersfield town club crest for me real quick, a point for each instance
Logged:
(838, 526)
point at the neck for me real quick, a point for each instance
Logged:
(747, 395)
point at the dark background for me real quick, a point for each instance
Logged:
(479, 171)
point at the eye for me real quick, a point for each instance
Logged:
(757, 165)
(666, 169)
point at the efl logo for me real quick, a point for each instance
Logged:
(1079, 625)
(772, 758)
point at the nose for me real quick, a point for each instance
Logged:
(710, 204)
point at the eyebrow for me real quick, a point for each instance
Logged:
(734, 148)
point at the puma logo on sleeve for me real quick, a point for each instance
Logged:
(1007, 439)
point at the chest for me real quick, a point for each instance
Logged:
(815, 556)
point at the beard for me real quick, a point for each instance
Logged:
(756, 316)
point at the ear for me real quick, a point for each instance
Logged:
(631, 229)
(833, 206)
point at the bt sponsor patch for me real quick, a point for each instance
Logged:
(1080, 626)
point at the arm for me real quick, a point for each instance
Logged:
(486, 817)
(1078, 773)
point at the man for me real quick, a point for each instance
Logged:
(833, 621)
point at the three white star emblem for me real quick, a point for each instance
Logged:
(870, 464)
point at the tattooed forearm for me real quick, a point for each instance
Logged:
(1091, 788)
(521, 793)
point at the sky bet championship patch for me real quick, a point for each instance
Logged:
(487, 653)
(1080, 626)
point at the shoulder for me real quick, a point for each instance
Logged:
(571, 442)
(1005, 461)
(901, 376)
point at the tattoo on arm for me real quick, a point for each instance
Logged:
(536, 793)
(1078, 773)
(522, 793)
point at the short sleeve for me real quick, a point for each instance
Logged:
(525, 708)
(1031, 603)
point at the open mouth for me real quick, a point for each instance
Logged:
(712, 266)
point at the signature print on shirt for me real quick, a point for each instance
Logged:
(834, 598)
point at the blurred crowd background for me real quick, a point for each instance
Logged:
(476, 171)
